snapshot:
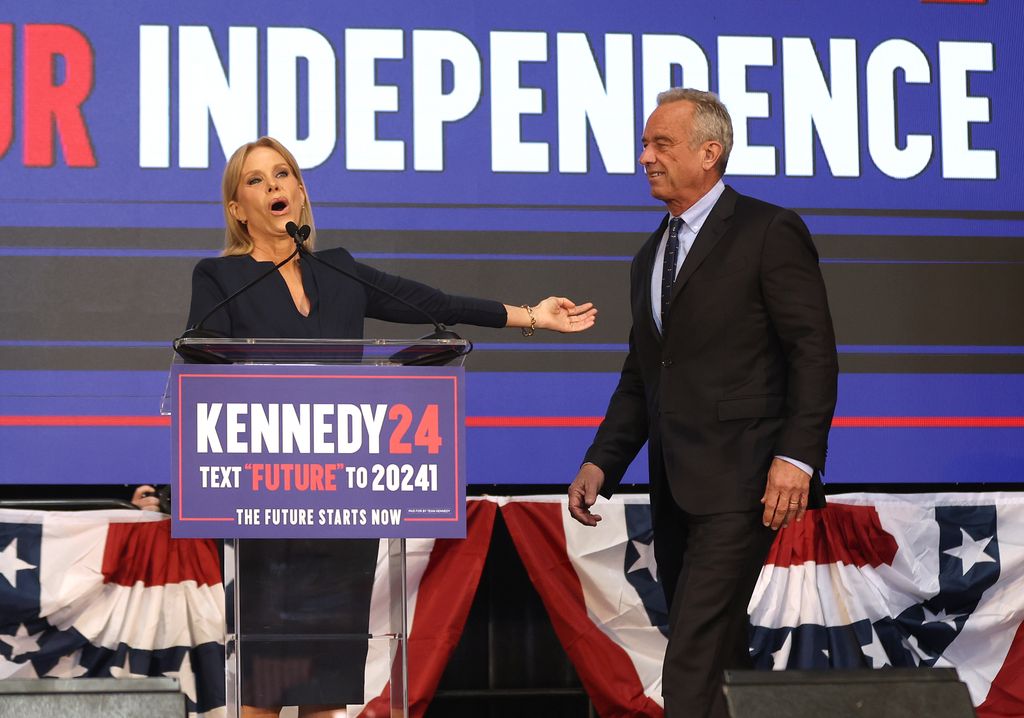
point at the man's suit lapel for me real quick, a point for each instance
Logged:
(713, 229)
(647, 255)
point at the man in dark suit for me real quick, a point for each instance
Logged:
(730, 379)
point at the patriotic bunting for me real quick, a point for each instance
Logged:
(873, 580)
(108, 594)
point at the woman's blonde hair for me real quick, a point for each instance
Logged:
(236, 234)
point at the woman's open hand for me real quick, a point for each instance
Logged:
(563, 315)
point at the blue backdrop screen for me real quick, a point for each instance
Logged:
(492, 150)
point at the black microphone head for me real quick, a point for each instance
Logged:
(303, 232)
(198, 332)
(292, 229)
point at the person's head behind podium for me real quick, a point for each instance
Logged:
(249, 176)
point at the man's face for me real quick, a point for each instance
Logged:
(679, 174)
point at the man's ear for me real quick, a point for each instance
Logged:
(712, 153)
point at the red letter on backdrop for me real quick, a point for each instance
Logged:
(49, 105)
(6, 87)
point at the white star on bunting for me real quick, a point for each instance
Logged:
(10, 564)
(186, 678)
(911, 644)
(21, 642)
(11, 669)
(948, 619)
(68, 667)
(971, 552)
(875, 651)
(780, 658)
(645, 560)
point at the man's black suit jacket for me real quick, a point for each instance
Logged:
(746, 370)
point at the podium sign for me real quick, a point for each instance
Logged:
(271, 451)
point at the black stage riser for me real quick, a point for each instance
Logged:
(894, 693)
(91, 698)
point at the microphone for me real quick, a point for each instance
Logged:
(410, 356)
(299, 234)
(197, 331)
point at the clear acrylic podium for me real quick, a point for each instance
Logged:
(387, 637)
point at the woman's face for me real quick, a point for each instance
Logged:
(268, 195)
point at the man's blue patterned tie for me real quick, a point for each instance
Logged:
(668, 270)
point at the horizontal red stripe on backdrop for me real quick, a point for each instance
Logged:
(928, 422)
(541, 422)
(95, 420)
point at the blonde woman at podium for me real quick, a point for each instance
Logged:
(263, 193)
(295, 586)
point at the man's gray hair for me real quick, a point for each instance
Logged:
(711, 121)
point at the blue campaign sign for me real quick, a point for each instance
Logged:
(469, 115)
(318, 452)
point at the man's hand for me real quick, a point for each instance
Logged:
(785, 497)
(583, 493)
(145, 498)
